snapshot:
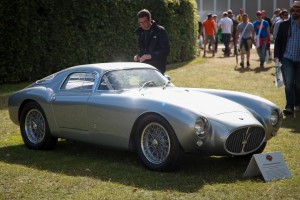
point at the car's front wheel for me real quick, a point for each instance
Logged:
(34, 128)
(157, 144)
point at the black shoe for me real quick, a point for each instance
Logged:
(288, 111)
(262, 66)
(248, 64)
(242, 64)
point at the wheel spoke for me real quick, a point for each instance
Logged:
(155, 143)
(35, 126)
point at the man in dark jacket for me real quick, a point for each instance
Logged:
(287, 50)
(153, 42)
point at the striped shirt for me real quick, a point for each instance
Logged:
(292, 51)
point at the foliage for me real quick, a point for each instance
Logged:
(41, 37)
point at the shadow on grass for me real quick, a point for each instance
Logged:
(249, 69)
(79, 159)
(292, 122)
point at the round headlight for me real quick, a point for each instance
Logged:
(274, 118)
(201, 126)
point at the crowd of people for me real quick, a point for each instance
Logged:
(238, 35)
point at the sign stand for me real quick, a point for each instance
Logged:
(270, 165)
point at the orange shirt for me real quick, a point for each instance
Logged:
(208, 26)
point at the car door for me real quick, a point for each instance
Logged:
(70, 103)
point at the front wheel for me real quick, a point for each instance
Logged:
(34, 128)
(157, 144)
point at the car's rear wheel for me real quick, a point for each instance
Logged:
(34, 128)
(157, 144)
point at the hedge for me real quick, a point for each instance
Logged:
(40, 37)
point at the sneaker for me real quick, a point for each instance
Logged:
(242, 64)
(288, 111)
(248, 64)
(297, 108)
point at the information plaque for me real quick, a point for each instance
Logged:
(270, 165)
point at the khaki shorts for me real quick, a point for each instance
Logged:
(243, 49)
(210, 38)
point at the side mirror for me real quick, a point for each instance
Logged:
(168, 77)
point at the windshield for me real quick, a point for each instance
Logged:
(132, 79)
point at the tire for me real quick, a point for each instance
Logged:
(34, 128)
(157, 145)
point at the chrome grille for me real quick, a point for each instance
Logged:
(245, 140)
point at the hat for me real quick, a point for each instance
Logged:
(296, 4)
(209, 15)
(258, 12)
(277, 10)
(214, 15)
(245, 14)
(229, 11)
(283, 11)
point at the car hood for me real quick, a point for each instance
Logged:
(199, 102)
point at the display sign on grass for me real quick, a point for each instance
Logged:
(270, 165)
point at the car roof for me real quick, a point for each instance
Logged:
(111, 66)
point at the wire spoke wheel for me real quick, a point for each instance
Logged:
(155, 143)
(35, 126)
(35, 129)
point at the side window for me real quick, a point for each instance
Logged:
(79, 81)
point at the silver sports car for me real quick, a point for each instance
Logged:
(132, 106)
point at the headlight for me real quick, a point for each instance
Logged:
(201, 126)
(274, 118)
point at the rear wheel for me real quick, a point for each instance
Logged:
(157, 144)
(34, 128)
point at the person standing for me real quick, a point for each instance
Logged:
(287, 50)
(283, 17)
(239, 17)
(246, 37)
(227, 27)
(262, 39)
(215, 18)
(276, 16)
(200, 34)
(209, 33)
(234, 32)
(153, 42)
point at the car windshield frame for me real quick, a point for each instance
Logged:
(134, 78)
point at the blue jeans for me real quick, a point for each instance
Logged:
(291, 78)
(261, 50)
(226, 40)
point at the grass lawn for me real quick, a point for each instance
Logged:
(80, 171)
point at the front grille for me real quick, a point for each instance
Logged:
(245, 140)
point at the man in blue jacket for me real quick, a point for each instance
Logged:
(153, 42)
(287, 50)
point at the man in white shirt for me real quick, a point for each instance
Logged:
(226, 25)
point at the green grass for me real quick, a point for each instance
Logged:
(80, 171)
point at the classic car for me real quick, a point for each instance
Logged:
(132, 106)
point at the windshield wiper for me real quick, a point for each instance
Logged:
(166, 84)
(148, 83)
